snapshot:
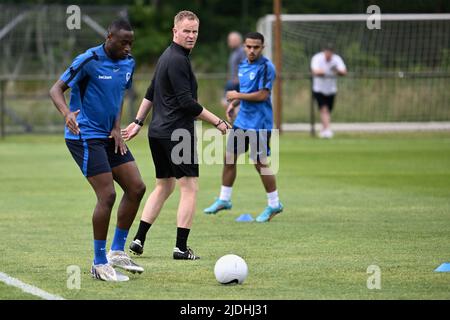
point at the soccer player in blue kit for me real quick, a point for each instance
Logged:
(255, 118)
(98, 79)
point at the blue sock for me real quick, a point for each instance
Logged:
(100, 252)
(120, 237)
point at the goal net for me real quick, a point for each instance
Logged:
(36, 46)
(35, 40)
(399, 73)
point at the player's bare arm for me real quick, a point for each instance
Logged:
(119, 143)
(57, 95)
(231, 109)
(341, 72)
(318, 72)
(257, 96)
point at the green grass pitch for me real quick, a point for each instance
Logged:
(351, 202)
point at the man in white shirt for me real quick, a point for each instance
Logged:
(326, 66)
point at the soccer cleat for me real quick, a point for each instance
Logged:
(121, 260)
(186, 255)
(136, 247)
(217, 206)
(269, 213)
(106, 272)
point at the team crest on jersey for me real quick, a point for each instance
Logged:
(128, 76)
(252, 75)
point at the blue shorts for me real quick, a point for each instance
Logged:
(95, 156)
(239, 141)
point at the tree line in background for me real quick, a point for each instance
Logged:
(152, 20)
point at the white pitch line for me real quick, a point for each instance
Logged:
(10, 281)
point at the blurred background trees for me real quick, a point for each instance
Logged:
(153, 19)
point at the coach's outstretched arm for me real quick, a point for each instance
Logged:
(57, 95)
(133, 128)
(180, 80)
(146, 105)
(210, 117)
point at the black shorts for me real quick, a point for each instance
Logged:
(95, 156)
(174, 158)
(324, 100)
(239, 141)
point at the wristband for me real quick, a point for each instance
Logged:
(138, 122)
(220, 122)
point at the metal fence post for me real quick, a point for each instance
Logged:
(2, 109)
(312, 115)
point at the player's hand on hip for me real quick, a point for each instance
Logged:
(119, 143)
(131, 131)
(71, 122)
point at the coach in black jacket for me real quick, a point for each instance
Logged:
(173, 95)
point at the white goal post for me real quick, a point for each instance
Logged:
(265, 24)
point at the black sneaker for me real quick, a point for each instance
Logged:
(186, 255)
(136, 247)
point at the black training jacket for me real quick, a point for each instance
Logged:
(173, 92)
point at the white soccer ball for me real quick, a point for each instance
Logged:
(231, 269)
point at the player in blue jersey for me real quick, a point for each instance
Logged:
(98, 79)
(253, 126)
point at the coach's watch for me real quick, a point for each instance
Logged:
(138, 122)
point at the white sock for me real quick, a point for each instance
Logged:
(273, 200)
(225, 193)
